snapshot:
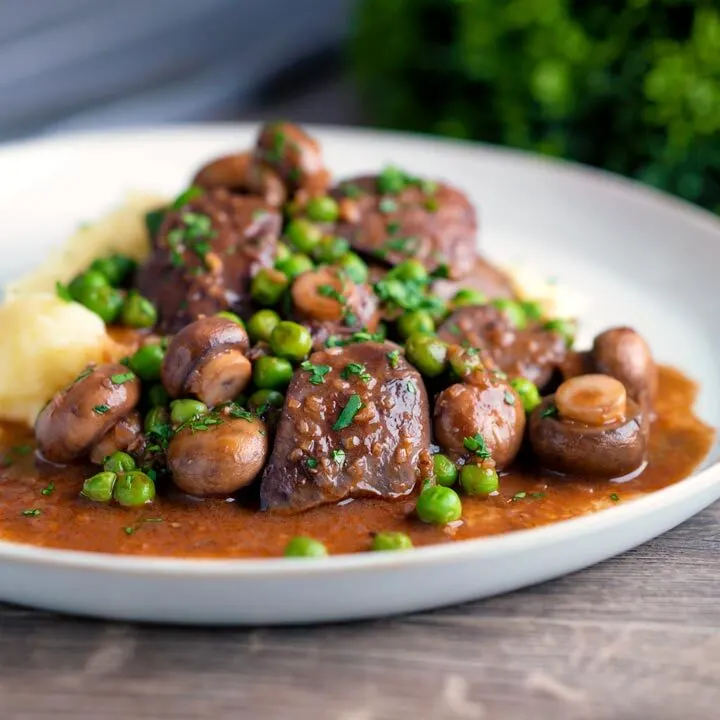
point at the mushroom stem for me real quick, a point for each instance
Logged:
(594, 400)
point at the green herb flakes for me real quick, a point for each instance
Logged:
(477, 445)
(357, 369)
(101, 409)
(317, 372)
(393, 358)
(31, 513)
(347, 415)
(122, 378)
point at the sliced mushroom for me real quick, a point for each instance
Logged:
(126, 435)
(240, 173)
(623, 353)
(294, 155)
(207, 360)
(221, 459)
(590, 428)
(488, 407)
(79, 416)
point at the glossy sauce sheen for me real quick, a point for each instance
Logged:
(214, 528)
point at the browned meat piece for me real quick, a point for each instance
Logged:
(487, 406)
(240, 173)
(533, 352)
(435, 225)
(590, 428)
(82, 414)
(356, 422)
(205, 255)
(224, 457)
(295, 156)
(621, 353)
(207, 360)
(484, 277)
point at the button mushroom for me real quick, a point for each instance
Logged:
(126, 435)
(239, 172)
(81, 415)
(623, 353)
(488, 407)
(219, 454)
(207, 360)
(591, 428)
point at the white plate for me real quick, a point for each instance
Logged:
(638, 257)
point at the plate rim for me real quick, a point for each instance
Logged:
(476, 548)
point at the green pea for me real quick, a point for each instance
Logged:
(138, 311)
(282, 252)
(147, 361)
(464, 361)
(262, 400)
(272, 373)
(261, 325)
(566, 328)
(106, 302)
(467, 296)
(323, 209)
(513, 311)
(330, 249)
(295, 265)
(528, 392)
(230, 316)
(415, 321)
(99, 488)
(119, 462)
(157, 421)
(391, 541)
(158, 396)
(354, 267)
(268, 286)
(182, 411)
(479, 480)
(391, 180)
(438, 505)
(302, 546)
(291, 341)
(133, 489)
(428, 353)
(86, 282)
(410, 270)
(116, 268)
(303, 234)
(533, 309)
(445, 470)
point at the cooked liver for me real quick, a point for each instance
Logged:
(189, 278)
(383, 444)
(438, 228)
(533, 353)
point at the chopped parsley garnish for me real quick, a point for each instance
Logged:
(509, 398)
(101, 409)
(122, 378)
(129, 530)
(454, 329)
(329, 291)
(393, 358)
(615, 497)
(132, 529)
(358, 337)
(63, 292)
(387, 205)
(32, 513)
(338, 457)
(431, 204)
(192, 193)
(537, 495)
(406, 245)
(477, 445)
(347, 415)
(441, 271)
(407, 295)
(392, 227)
(411, 387)
(84, 374)
(429, 187)
(194, 234)
(275, 154)
(352, 191)
(49, 490)
(311, 462)
(549, 411)
(519, 495)
(356, 369)
(240, 413)
(317, 372)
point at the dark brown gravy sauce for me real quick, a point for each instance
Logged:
(214, 528)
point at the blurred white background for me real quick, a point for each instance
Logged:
(81, 64)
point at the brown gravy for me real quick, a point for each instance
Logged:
(43, 508)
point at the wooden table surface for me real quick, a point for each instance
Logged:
(635, 638)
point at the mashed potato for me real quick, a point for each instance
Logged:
(556, 300)
(48, 341)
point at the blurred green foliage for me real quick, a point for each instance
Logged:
(629, 85)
